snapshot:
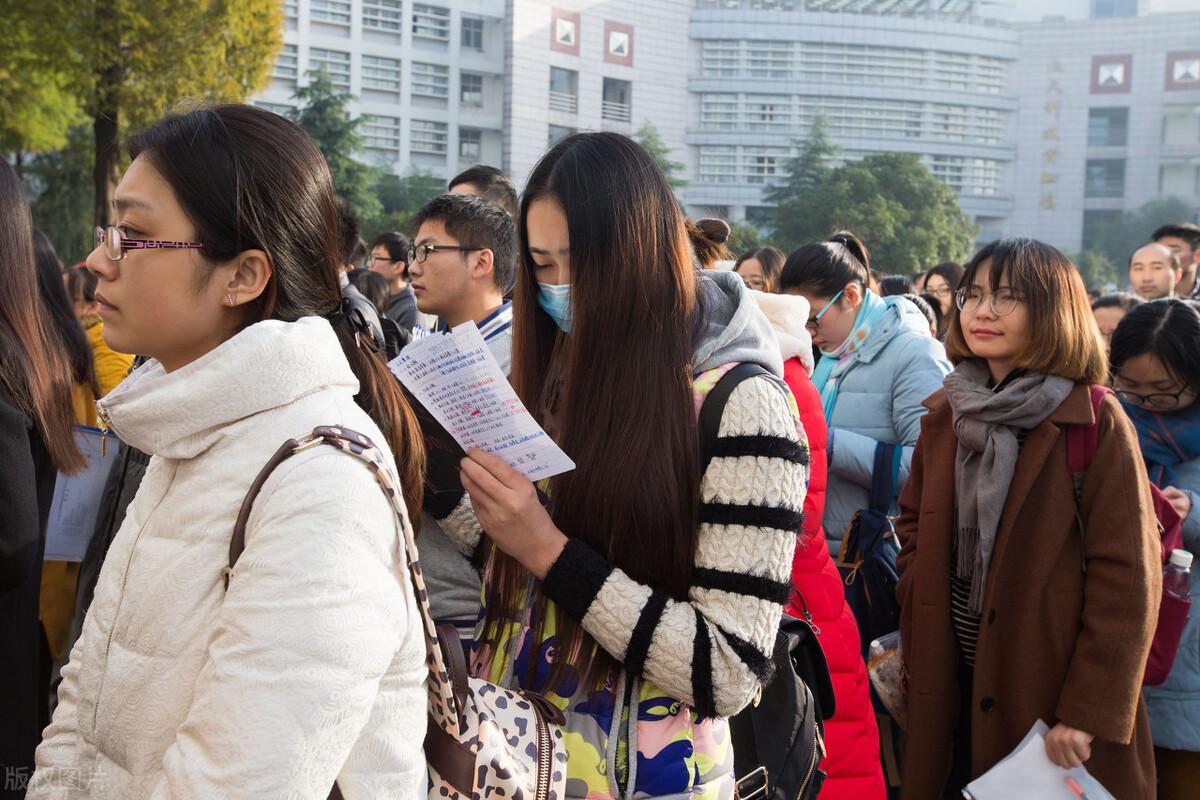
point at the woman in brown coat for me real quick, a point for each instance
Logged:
(1001, 623)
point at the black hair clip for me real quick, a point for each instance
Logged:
(362, 320)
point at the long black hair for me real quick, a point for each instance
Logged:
(1168, 329)
(635, 300)
(249, 179)
(824, 268)
(34, 370)
(62, 317)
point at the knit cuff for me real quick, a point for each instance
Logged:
(576, 577)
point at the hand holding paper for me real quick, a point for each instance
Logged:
(456, 378)
(508, 508)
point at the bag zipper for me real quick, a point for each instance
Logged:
(818, 750)
(545, 756)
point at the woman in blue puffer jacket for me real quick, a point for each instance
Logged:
(878, 363)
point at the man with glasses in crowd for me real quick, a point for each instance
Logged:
(461, 264)
(389, 258)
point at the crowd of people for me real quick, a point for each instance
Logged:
(636, 599)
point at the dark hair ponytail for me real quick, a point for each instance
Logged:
(249, 179)
(824, 268)
(1168, 329)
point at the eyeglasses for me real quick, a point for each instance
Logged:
(813, 321)
(116, 243)
(941, 291)
(418, 254)
(1163, 401)
(1002, 302)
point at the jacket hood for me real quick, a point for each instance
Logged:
(901, 316)
(267, 365)
(735, 329)
(788, 314)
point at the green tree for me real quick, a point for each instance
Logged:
(401, 197)
(60, 183)
(649, 138)
(804, 178)
(1117, 237)
(908, 218)
(134, 59)
(1097, 270)
(37, 64)
(324, 115)
(744, 236)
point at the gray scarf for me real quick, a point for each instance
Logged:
(986, 425)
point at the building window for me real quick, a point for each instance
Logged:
(1096, 223)
(1178, 180)
(431, 80)
(291, 8)
(470, 144)
(763, 163)
(472, 33)
(769, 111)
(382, 74)
(429, 137)
(1102, 9)
(1181, 126)
(287, 65)
(618, 100)
(383, 15)
(718, 164)
(720, 58)
(770, 59)
(471, 90)
(557, 133)
(719, 112)
(431, 22)
(381, 133)
(1105, 177)
(336, 12)
(1108, 127)
(335, 63)
(564, 90)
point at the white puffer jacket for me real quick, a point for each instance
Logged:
(311, 667)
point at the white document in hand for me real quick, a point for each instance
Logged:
(458, 380)
(77, 497)
(1029, 774)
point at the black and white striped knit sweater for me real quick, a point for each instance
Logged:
(713, 651)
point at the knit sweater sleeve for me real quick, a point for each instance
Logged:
(712, 651)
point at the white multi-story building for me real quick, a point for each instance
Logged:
(428, 78)
(972, 87)
(449, 83)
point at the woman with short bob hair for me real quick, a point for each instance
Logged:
(1021, 600)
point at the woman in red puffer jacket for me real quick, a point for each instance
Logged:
(851, 736)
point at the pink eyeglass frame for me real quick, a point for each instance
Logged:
(101, 239)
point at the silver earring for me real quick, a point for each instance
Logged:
(229, 299)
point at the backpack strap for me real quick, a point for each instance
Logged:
(885, 476)
(709, 423)
(1082, 443)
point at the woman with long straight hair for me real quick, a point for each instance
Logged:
(1156, 366)
(645, 599)
(305, 663)
(1020, 599)
(37, 441)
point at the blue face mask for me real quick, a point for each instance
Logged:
(555, 300)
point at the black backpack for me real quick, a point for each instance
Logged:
(778, 740)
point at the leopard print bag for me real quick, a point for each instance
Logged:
(482, 740)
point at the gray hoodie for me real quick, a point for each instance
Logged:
(735, 328)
